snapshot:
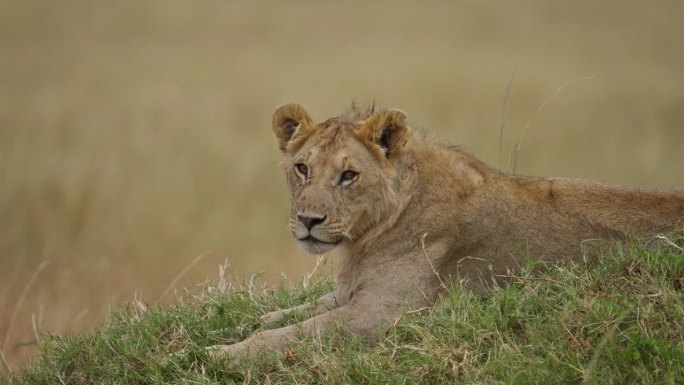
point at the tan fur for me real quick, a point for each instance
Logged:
(421, 213)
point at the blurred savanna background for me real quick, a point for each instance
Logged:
(136, 154)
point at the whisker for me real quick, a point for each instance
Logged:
(348, 236)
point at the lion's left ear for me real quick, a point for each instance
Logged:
(388, 130)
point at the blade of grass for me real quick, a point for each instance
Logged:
(22, 297)
(182, 273)
(503, 114)
(516, 151)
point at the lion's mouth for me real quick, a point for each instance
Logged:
(316, 246)
(313, 239)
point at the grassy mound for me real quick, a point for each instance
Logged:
(620, 321)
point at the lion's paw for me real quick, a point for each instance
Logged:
(272, 317)
(234, 351)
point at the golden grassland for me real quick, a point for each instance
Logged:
(135, 135)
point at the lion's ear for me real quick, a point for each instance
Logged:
(290, 121)
(388, 130)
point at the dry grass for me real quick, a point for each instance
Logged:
(134, 135)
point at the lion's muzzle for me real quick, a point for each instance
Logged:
(313, 233)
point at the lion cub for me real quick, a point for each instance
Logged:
(411, 213)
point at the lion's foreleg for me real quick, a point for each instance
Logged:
(360, 317)
(325, 303)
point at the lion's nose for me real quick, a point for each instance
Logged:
(310, 222)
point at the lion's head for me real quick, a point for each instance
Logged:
(341, 173)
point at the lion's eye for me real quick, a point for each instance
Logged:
(348, 177)
(301, 169)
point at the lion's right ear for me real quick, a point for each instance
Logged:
(388, 130)
(290, 122)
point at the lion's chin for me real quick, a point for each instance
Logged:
(314, 246)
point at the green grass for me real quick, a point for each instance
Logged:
(619, 321)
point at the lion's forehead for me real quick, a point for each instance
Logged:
(329, 157)
(338, 152)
